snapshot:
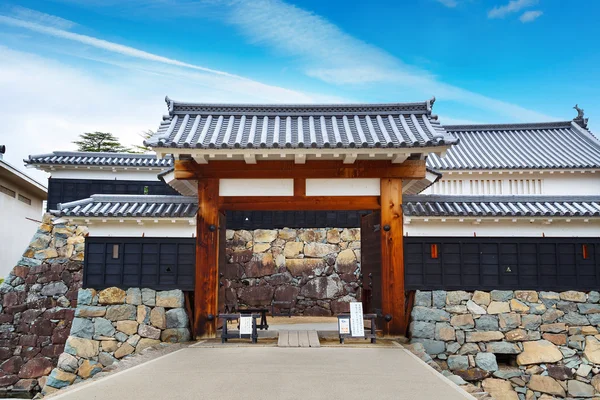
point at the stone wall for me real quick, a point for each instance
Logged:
(317, 269)
(36, 305)
(514, 344)
(114, 324)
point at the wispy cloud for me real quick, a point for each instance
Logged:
(448, 3)
(273, 92)
(327, 53)
(513, 6)
(41, 18)
(529, 16)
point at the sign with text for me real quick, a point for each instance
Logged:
(344, 326)
(245, 325)
(357, 324)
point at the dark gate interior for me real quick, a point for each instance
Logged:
(155, 263)
(370, 254)
(487, 263)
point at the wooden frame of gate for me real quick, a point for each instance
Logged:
(389, 202)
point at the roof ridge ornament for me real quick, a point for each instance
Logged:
(430, 103)
(579, 119)
(170, 104)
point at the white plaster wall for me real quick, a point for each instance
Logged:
(107, 174)
(506, 228)
(16, 230)
(133, 229)
(343, 187)
(562, 182)
(256, 187)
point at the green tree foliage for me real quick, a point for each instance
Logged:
(100, 142)
(143, 149)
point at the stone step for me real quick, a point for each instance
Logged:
(298, 339)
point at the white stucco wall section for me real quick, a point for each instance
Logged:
(256, 187)
(343, 187)
(503, 227)
(140, 228)
(551, 182)
(108, 174)
(19, 223)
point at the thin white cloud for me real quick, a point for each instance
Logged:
(326, 52)
(448, 3)
(277, 93)
(530, 16)
(513, 6)
(41, 18)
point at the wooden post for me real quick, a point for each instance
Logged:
(207, 259)
(392, 256)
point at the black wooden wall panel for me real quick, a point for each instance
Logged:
(155, 263)
(66, 190)
(488, 263)
(293, 219)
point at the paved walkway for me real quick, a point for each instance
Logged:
(267, 373)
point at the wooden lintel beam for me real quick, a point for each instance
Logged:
(409, 169)
(285, 203)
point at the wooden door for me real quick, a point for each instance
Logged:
(370, 262)
(221, 298)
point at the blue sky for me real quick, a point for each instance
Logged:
(72, 66)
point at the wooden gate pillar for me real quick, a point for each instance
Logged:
(392, 256)
(207, 259)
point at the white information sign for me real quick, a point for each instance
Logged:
(344, 326)
(245, 325)
(357, 323)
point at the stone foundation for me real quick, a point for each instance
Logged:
(514, 344)
(114, 324)
(37, 305)
(316, 269)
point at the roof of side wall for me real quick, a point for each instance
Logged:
(550, 145)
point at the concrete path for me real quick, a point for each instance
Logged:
(272, 373)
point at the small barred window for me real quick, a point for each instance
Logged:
(7, 191)
(24, 199)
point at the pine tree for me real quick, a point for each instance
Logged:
(143, 148)
(100, 142)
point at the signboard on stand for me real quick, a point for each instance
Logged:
(245, 325)
(357, 323)
(344, 326)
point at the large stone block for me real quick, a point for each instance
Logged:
(286, 293)
(457, 297)
(124, 350)
(502, 348)
(499, 389)
(572, 295)
(322, 288)
(82, 327)
(60, 379)
(498, 307)
(67, 362)
(422, 298)
(264, 235)
(36, 367)
(526, 296)
(346, 263)
(462, 321)
(149, 297)
(256, 295)
(158, 318)
(486, 361)
(350, 235)
(293, 249)
(488, 336)
(482, 298)
(103, 327)
(502, 295)
(429, 314)
(112, 295)
(134, 296)
(445, 332)
(420, 329)
(592, 349)
(261, 264)
(143, 314)
(177, 318)
(458, 362)
(431, 346)
(486, 323)
(54, 289)
(537, 352)
(147, 331)
(170, 299)
(175, 335)
(320, 250)
(304, 266)
(90, 311)
(121, 312)
(88, 369)
(145, 343)
(85, 296)
(546, 384)
(580, 389)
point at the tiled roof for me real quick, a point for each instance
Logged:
(501, 206)
(99, 159)
(230, 126)
(533, 146)
(130, 206)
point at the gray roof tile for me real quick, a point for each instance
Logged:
(225, 126)
(532, 146)
(130, 206)
(99, 159)
(501, 206)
